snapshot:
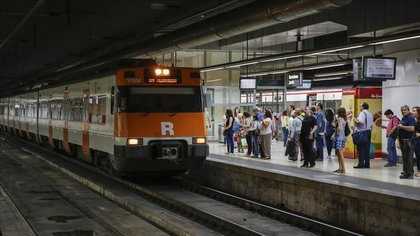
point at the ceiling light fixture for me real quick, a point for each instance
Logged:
(324, 66)
(243, 64)
(395, 40)
(281, 58)
(336, 50)
(212, 69)
(333, 74)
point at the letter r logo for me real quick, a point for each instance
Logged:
(167, 127)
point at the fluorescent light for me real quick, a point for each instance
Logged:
(278, 72)
(258, 74)
(324, 66)
(336, 50)
(327, 79)
(243, 64)
(333, 74)
(281, 58)
(212, 69)
(213, 80)
(395, 40)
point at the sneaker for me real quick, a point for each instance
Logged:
(417, 174)
(358, 167)
(329, 157)
(318, 159)
(247, 155)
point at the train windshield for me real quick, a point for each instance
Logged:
(162, 99)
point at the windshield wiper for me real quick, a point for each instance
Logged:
(145, 114)
(172, 114)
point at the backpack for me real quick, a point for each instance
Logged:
(235, 126)
(347, 130)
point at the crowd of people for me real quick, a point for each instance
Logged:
(307, 131)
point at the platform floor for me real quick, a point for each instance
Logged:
(376, 172)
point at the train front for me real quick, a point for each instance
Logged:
(159, 121)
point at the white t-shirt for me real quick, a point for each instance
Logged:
(266, 129)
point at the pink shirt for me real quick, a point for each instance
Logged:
(393, 122)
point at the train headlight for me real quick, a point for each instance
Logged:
(201, 140)
(158, 71)
(165, 72)
(134, 141)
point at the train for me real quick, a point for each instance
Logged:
(145, 119)
(330, 97)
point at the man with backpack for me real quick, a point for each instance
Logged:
(391, 136)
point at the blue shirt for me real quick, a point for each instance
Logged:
(407, 120)
(260, 116)
(320, 122)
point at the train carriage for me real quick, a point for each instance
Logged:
(146, 119)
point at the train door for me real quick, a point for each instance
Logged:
(311, 100)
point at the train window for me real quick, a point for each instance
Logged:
(96, 109)
(158, 99)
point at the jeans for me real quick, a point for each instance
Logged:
(407, 154)
(329, 142)
(255, 145)
(416, 144)
(364, 149)
(392, 151)
(320, 146)
(285, 135)
(230, 142)
(248, 138)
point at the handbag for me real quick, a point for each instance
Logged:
(358, 137)
(347, 130)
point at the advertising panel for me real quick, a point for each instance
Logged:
(352, 99)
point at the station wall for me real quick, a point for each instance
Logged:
(405, 89)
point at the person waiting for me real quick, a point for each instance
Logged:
(363, 125)
(416, 138)
(391, 136)
(405, 135)
(306, 138)
(339, 138)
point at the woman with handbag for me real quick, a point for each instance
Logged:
(391, 136)
(228, 132)
(339, 138)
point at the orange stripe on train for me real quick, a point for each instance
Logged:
(160, 125)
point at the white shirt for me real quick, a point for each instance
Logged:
(366, 117)
(266, 129)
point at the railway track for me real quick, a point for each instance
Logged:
(195, 205)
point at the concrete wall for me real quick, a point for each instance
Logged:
(354, 209)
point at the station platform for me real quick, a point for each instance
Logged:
(367, 201)
(377, 171)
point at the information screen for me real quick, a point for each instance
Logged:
(306, 84)
(248, 83)
(294, 79)
(379, 67)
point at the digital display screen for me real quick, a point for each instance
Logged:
(306, 84)
(294, 79)
(379, 67)
(248, 83)
(162, 81)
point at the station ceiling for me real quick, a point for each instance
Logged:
(49, 41)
